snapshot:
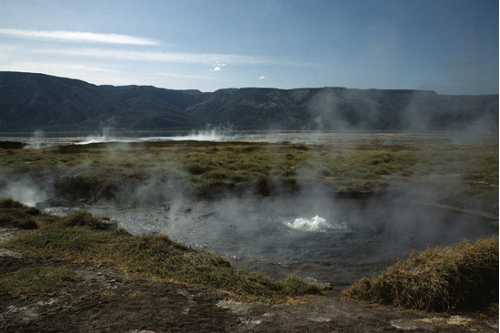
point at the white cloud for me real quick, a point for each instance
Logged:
(55, 68)
(79, 37)
(218, 66)
(262, 77)
(173, 57)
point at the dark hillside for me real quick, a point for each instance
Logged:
(31, 101)
(344, 109)
(36, 101)
(252, 108)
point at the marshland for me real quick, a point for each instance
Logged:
(262, 219)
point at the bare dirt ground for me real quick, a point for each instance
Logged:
(102, 299)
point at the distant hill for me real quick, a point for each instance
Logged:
(31, 101)
(37, 101)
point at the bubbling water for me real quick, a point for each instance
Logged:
(317, 224)
(331, 240)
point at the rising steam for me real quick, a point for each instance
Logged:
(309, 232)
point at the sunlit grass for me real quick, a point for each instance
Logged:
(456, 278)
(82, 237)
(203, 166)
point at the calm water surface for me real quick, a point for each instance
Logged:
(337, 241)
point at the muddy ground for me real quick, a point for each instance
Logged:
(103, 299)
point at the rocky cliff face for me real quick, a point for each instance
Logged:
(36, 101)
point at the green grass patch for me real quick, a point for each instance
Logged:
(102, 170)
(37, 280)
(83, 237)
(459, 278)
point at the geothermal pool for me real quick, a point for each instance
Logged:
(336, 241)
(308, 234)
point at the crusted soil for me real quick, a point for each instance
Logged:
(103, 299)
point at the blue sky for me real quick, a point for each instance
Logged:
(449, 46)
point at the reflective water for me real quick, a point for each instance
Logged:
(337, 241)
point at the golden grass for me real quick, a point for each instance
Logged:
(98, 171)
(326, 161)
(459, 278)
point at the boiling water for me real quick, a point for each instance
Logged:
(330, 240)
(316, 224)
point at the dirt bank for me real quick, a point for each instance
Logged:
(102, 299)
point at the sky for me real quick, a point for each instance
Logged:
(448, 46)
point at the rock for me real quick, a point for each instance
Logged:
(323, 285)
(110, 224)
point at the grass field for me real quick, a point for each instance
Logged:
(462, 175)
(105, 170)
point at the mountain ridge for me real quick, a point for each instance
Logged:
(31, 101)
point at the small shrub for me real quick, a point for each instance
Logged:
(28, 224)
(380, 158)
(11, 203)
(218, 174)
(85, 219)
(33, 211)
(17, 215)
(301, 146)
(197, 168)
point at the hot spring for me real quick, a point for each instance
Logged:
(332, 240)
(310, 234)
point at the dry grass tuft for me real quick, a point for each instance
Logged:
(85, 219)
(17, 215)
(11, 204)
(460, 278)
